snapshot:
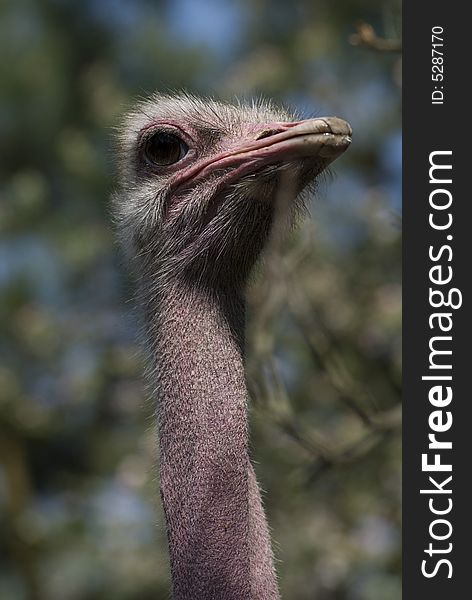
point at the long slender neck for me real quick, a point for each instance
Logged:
(218, 537)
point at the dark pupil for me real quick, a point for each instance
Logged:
(165, 149)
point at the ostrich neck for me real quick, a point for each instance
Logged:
(218, 538)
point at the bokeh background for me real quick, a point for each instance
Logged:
(79, 511)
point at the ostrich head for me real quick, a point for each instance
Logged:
(200, 179)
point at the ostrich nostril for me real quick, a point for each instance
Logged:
(267, 133)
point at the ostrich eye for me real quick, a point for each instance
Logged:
(164, 149)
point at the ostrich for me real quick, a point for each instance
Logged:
(194, 207)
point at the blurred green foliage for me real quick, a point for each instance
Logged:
(79, 508)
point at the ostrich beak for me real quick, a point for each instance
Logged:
(326, 137)
(321, 140)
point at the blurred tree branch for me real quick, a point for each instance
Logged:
(284, 287)
(365, 36)
(323, 456)
(14, 464)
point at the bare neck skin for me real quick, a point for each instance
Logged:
(218, 537)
